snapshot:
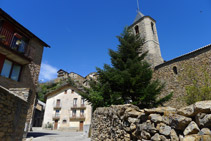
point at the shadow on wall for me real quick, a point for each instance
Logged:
(38, 134)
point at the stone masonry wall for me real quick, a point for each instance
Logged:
(28, 78)
(129, 123)
(12, 115)
(198, 61)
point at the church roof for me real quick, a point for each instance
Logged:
(138, 16)
(186, 56)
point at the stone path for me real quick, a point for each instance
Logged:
(53, 135)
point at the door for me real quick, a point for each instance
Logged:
(81, 125)
(55, 124)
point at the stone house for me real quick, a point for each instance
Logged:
(20, 58)
(174, 73)
(67, 110)
(38, 114)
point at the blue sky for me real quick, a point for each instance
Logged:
(80, 32)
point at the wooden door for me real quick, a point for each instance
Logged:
(55, 124)
(81, 125)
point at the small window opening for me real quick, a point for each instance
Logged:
(65, 92)
(137, 30)
(152, 26)
(64, 121)
(175, 70)
(72, 91)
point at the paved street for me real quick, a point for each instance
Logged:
(51, 135)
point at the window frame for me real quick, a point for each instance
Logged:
(11, 69)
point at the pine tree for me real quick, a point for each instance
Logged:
(128, 79)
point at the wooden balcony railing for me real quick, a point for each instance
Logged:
(75, 118)
(56, 116)
(82, 106)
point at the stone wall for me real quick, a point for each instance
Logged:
(12, 115)
(128, 122)
(199, 61)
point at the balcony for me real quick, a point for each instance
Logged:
(82, 106)
(75, 118)
(13, 46)
(56, 116)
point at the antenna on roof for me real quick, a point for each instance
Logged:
(137, 5)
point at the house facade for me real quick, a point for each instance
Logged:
(20, 59)
(67, 110)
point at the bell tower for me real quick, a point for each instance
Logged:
(146, 27)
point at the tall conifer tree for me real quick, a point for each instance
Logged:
(128, 79)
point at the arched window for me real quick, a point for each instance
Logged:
(137, 29)
(175, 70)
(152, 26)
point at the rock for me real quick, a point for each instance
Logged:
(163, 129)
(147, 126)
(145, 135)
(202, 106)
(196, 137)
(205, 131)
(155, 118)
(143, 117)
(160, 110)
(173, 135)
(203, 120)
(165, 119)
(132, 127)
(133, 120)
(186, 111)
(192, 128)
(163, 138)
(179, 122)
(156, 137)
(131, 112)
(181, 137)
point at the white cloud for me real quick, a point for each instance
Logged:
(47, 72)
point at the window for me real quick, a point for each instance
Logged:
(18, 43)
(175, 70)
(72, 91)
(74, 113)
(75, 102)
(65, 92)
(152, 26)
(11, 70)
(82, 101)
(58, 103)
(82, 113)
(64, 121)
(137, 29)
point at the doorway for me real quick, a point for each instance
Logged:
(55, 124)
(81, 125)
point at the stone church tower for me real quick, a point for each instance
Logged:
(145, 26)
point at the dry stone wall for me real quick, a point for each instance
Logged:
(129, 123)
(12, 115)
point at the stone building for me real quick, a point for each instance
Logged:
(174, 73)
(67, 110)
(146, 27)
(38, 114)
(20, 59)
